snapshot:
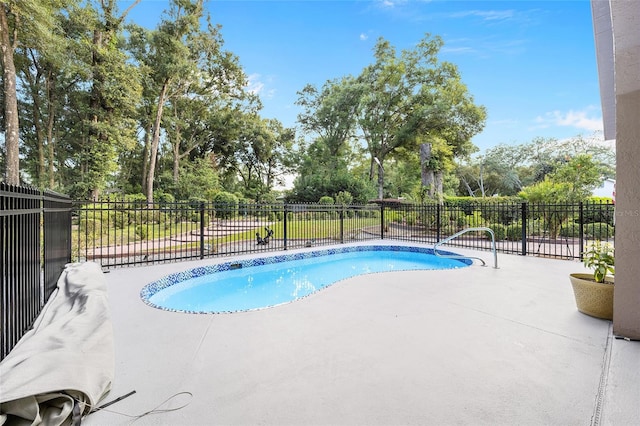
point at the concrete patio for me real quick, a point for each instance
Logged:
(473, 346)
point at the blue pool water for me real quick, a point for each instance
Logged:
(266, 282)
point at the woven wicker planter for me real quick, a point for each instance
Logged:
(592, 298)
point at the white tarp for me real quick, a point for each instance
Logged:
(63, 366)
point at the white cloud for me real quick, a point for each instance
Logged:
(486, 15)
(363, 36)
(460, 49)
(583, 120)
(256, 86)
(391, 3)
(387, 3)
(485, 47)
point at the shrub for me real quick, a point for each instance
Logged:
(135, 200)
(120, 219)
(411, 219)
(499, 230)
(535, 227)
(475, 219)
(344, 198)
(513, 232)
(90, 226)
(599, 231)
(142, 232)
(598, 212)
(195, 202)
(393, 216)
(163, 197)
(141, 216)
(226, 205)
(326, 200)
(195, 217)
(570, 230)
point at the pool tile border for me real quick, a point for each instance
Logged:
(167, 281)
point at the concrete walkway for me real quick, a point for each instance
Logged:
(474, 346)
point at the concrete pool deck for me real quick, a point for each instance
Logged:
(471, 346)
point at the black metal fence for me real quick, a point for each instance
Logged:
(35, 233)
(119, 233)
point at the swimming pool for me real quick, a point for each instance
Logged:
(270, 281)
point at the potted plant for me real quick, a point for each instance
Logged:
(594, 292)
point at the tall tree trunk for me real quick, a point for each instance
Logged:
(481, 180)
(176, 158)
(466, 184)
(51, 168)
(51, 113)
(427, 173)
(175, 144)
(155, 141)
(12, 125)
(37, 124)
(438, 184)
(145, 159)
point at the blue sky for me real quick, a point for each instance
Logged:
(530, 63)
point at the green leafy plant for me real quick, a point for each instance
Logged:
(600, 257)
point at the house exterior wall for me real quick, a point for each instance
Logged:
(625, 20)
(605, 189)
(626, 300)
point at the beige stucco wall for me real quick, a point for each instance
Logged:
(625, 16)
(626, 301)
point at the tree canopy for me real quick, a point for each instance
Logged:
(93, 104)
(396, 103)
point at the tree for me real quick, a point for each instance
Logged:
(46, 76)
(507, 169)
(113, 95)
(24, 23)
(413, 98)
(499, 170)
(582, 175)
(217, 85)
(572, 182)
(263, 154)
(329, 117)
(197, 178)
(169, 59)
(330, 113)
(191, 76)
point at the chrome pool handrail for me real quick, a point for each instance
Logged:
(464, 231)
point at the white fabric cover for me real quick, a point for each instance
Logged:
(69, 354)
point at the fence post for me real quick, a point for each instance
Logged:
(284, 225)
(342, 224)
(201, 230)
(581, 228)
(438, 224)
(524, 228)
(382, 221)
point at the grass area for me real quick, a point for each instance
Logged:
(103, 235)
(302, 230)
(96, 233)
